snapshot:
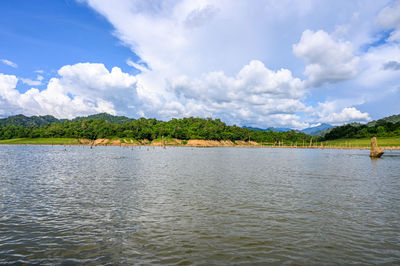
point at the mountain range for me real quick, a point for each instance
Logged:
(26, 121)
(314, 131)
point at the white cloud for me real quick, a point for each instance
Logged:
(136, 65)
(31, 82)
(231, 60)
(328, 60)
(9, 63)
(193, 50)
(328, 113)
(81, 89)
(256, 93)
(349, 114)
(389, 19)
(379, 69)
(7, 86)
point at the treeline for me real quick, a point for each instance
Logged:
(185, 129)
(380, 128)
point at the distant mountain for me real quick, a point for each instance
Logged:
(315, 131)
(272, 129)
(25, 121)
(107, 117)
(283, 129)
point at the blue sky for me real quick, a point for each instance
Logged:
(272, 63)
(46, 35)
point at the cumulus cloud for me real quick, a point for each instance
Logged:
(328, 113)
(228, 60)
(349, 114)
(9, 63)
(389, 19)
(193, 69)
(379, 66)
(328, 60)
(80, 89)
(198, 55)
(256, 93)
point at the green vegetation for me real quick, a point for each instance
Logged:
(393, 119)
(21, 120)
(40, 141)
(107, 117)
(149, 129)
(364, 142)
(25, 121)
(380, 128)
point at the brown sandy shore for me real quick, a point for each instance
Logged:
(201, 144)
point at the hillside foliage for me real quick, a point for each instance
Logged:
(380, 128)
(185, 128)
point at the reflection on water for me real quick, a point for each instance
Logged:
(193, 205)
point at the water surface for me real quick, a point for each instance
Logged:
(113, 205)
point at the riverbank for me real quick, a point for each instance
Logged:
(361, 144)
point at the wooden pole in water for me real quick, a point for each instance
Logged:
(163, 142)
(375, 151)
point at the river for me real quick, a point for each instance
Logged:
(182, 205)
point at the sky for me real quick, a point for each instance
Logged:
(260, 63)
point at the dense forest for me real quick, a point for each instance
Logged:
(185, 129)
(379, 128)
(22, 120)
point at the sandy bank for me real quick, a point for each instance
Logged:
(180, 143)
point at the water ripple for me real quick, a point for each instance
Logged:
(111, 205)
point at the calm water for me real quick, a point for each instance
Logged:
(113, 205)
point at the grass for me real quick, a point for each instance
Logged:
(365, 142)
(40, 141)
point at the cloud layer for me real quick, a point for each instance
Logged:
(328, 61)
(80, 89)
(286, 64)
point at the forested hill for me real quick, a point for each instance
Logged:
(184, 129)
(385, 127)
(392, 119)
(25, 121)
(107, 117)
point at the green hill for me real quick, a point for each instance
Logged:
(392, 119)
(25, 121)
(107, 117)
(385, 127)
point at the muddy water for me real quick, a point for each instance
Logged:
(112, 205)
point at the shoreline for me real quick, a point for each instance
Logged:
(181, 143)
